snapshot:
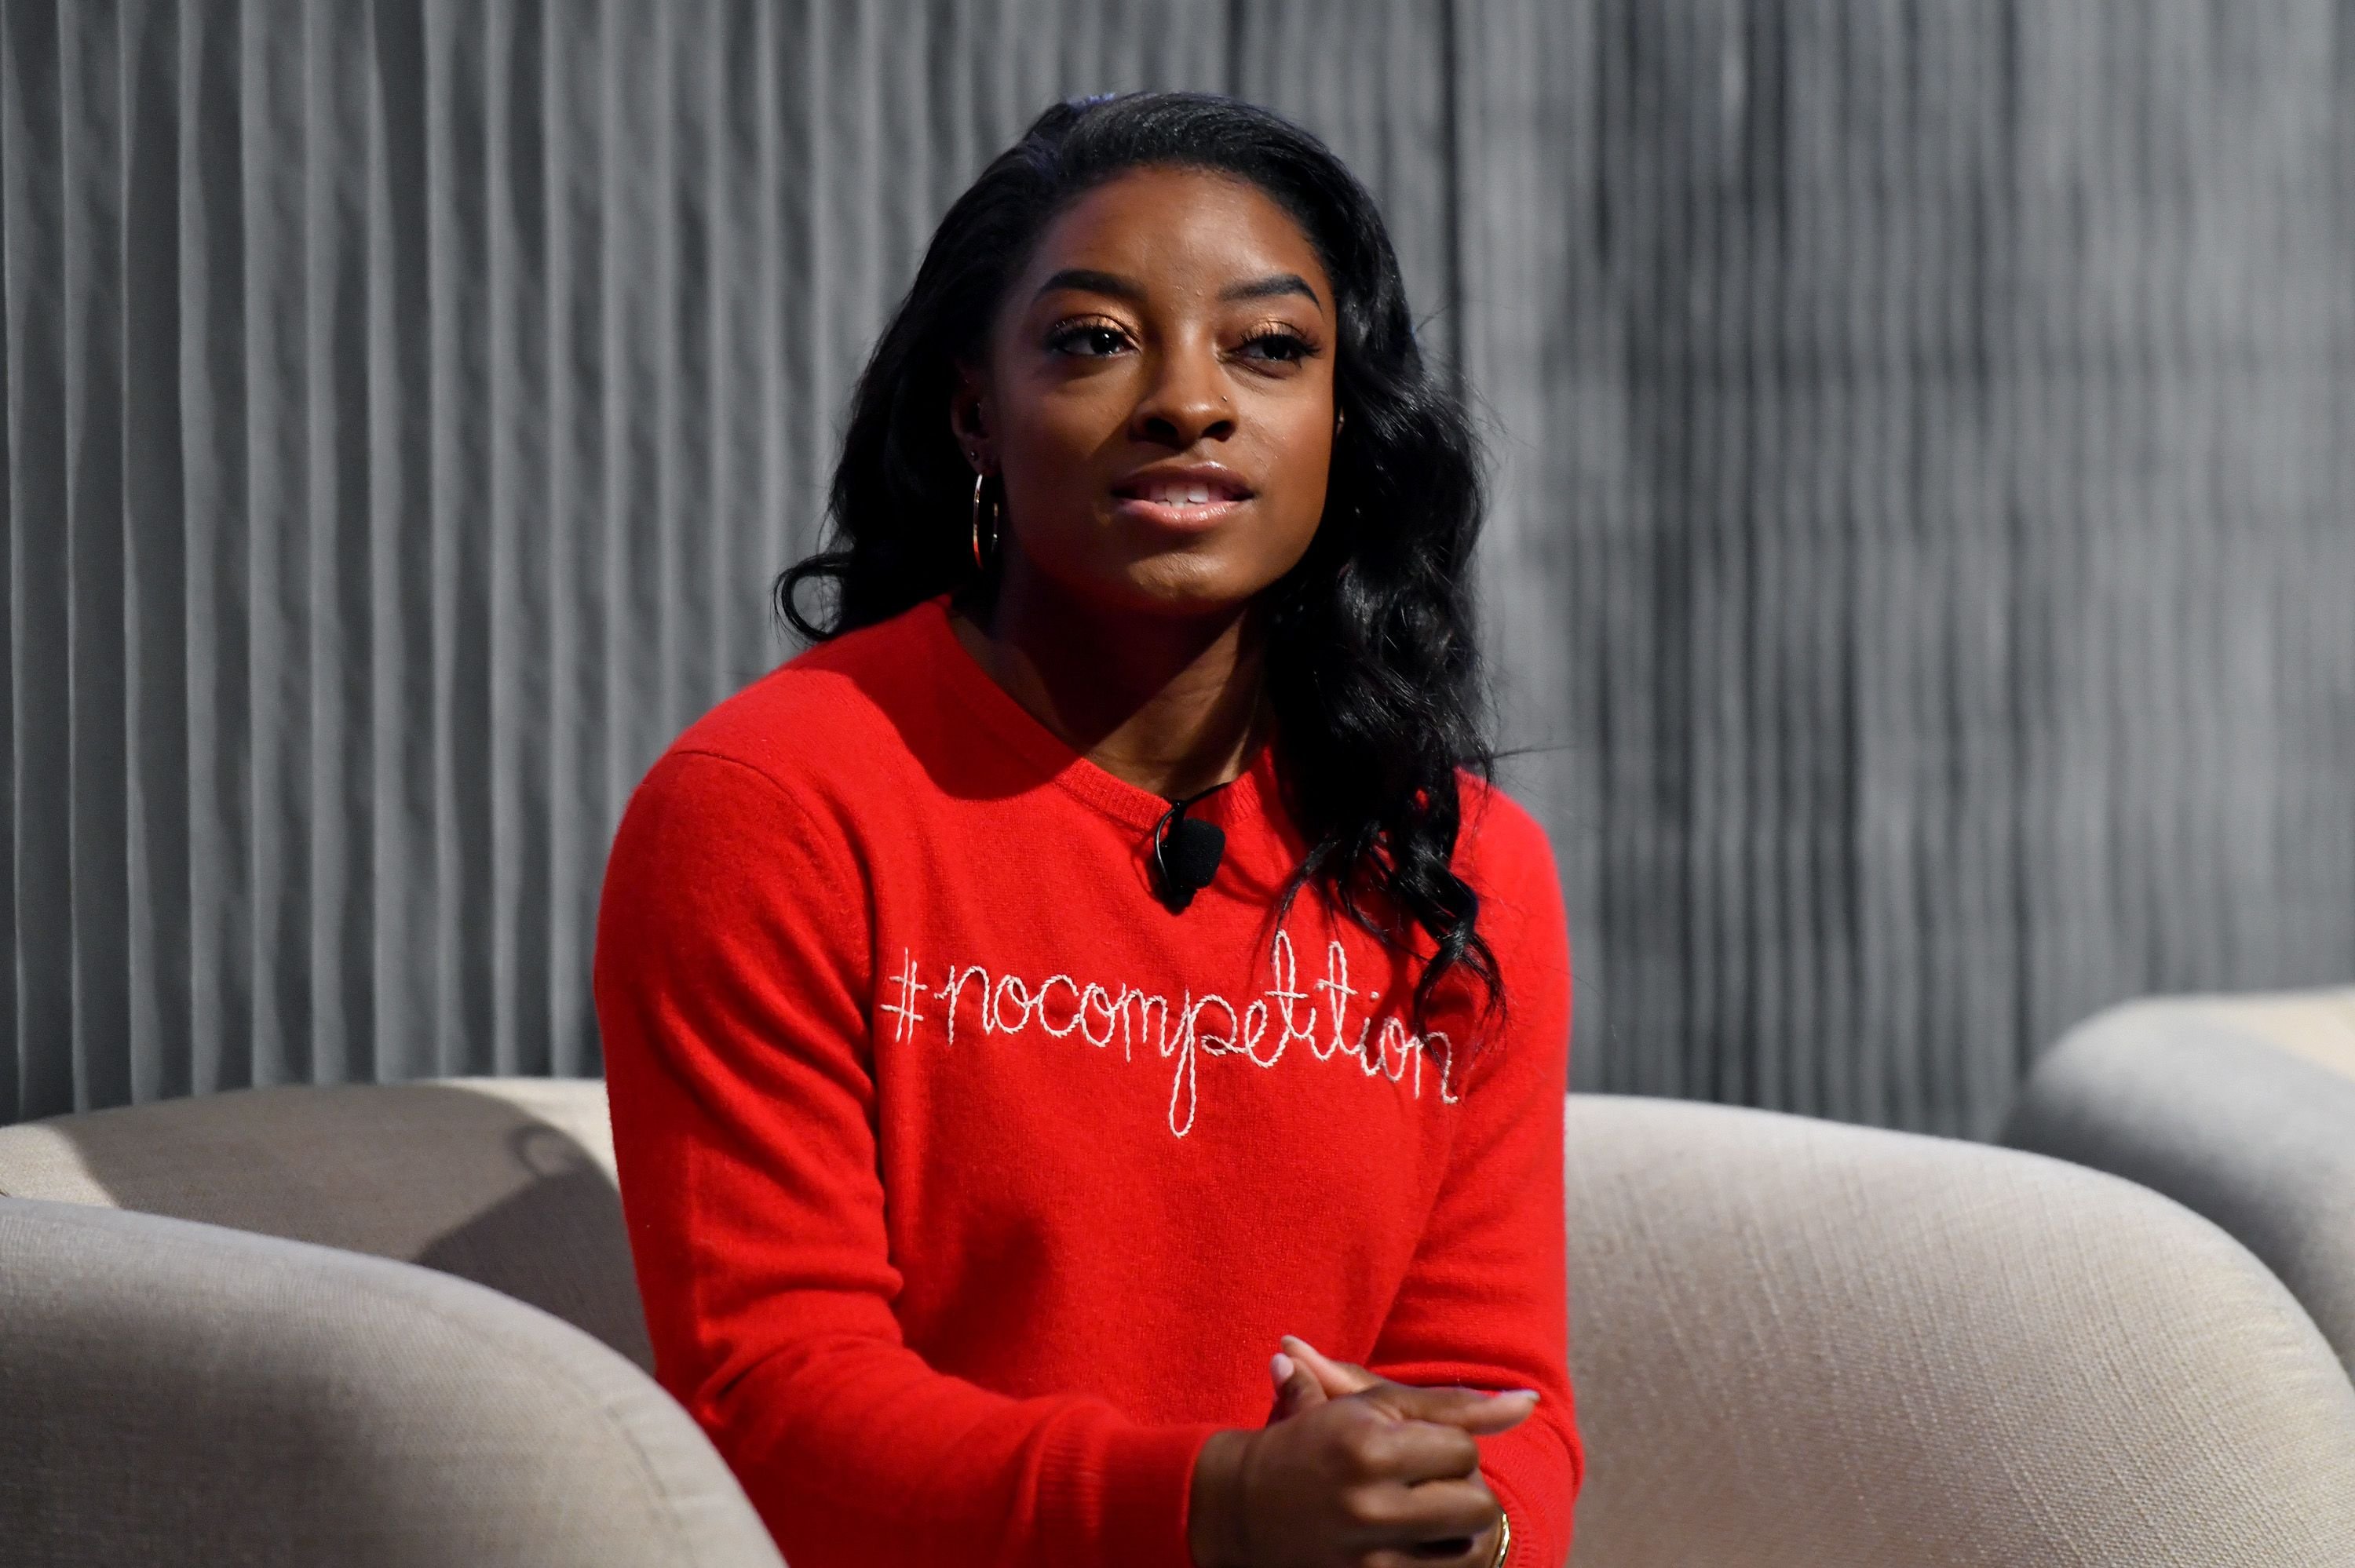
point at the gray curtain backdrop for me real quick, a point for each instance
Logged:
(1922, 579)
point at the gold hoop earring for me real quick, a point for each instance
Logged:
(1340, 418)
(979, 480)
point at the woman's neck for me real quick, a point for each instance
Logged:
(1169, 704)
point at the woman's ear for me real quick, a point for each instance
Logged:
(969, 419)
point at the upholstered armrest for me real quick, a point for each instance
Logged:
(2239, 1107)
(504, 1182)
(177, 1392)
(1798, 1343)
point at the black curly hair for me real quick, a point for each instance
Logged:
(1369, 659)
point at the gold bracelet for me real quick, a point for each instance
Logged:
(1504, 1538)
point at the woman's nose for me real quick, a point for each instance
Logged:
(1187, 400)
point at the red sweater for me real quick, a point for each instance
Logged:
(969, 1188)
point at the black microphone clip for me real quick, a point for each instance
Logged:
(1185, 853)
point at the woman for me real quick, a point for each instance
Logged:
(1095, 988)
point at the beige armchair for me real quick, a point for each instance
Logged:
(2240, 1108)
(296, 1390)
(1800, 1344)
(1795, 1343)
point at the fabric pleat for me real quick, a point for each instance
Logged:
(1920, 585)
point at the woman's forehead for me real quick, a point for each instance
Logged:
(1178, 227)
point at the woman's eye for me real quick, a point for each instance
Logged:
(1091, 338)
(1283, 347)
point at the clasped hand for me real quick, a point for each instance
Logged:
(1352, 1471)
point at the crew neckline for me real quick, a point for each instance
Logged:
(1249, 793)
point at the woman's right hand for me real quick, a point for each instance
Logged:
(1377, 1479)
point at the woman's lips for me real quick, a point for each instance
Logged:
(1179, 501)
(1182, 516)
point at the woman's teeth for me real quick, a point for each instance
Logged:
(1179, 494)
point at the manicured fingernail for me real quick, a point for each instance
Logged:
(1281, 1365)
(1508, 1394)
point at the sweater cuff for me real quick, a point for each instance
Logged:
(1144, 1482)
(1518, 1473)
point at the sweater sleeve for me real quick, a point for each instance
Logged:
(732, 975)
(1485, 1301)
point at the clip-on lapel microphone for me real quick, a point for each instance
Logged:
(1186, 853)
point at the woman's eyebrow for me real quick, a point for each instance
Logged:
(1089, 281)
(1280, 283)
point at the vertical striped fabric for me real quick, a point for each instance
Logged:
(1922, 585)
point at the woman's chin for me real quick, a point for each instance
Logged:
(1204, 577)
(1186, 585)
